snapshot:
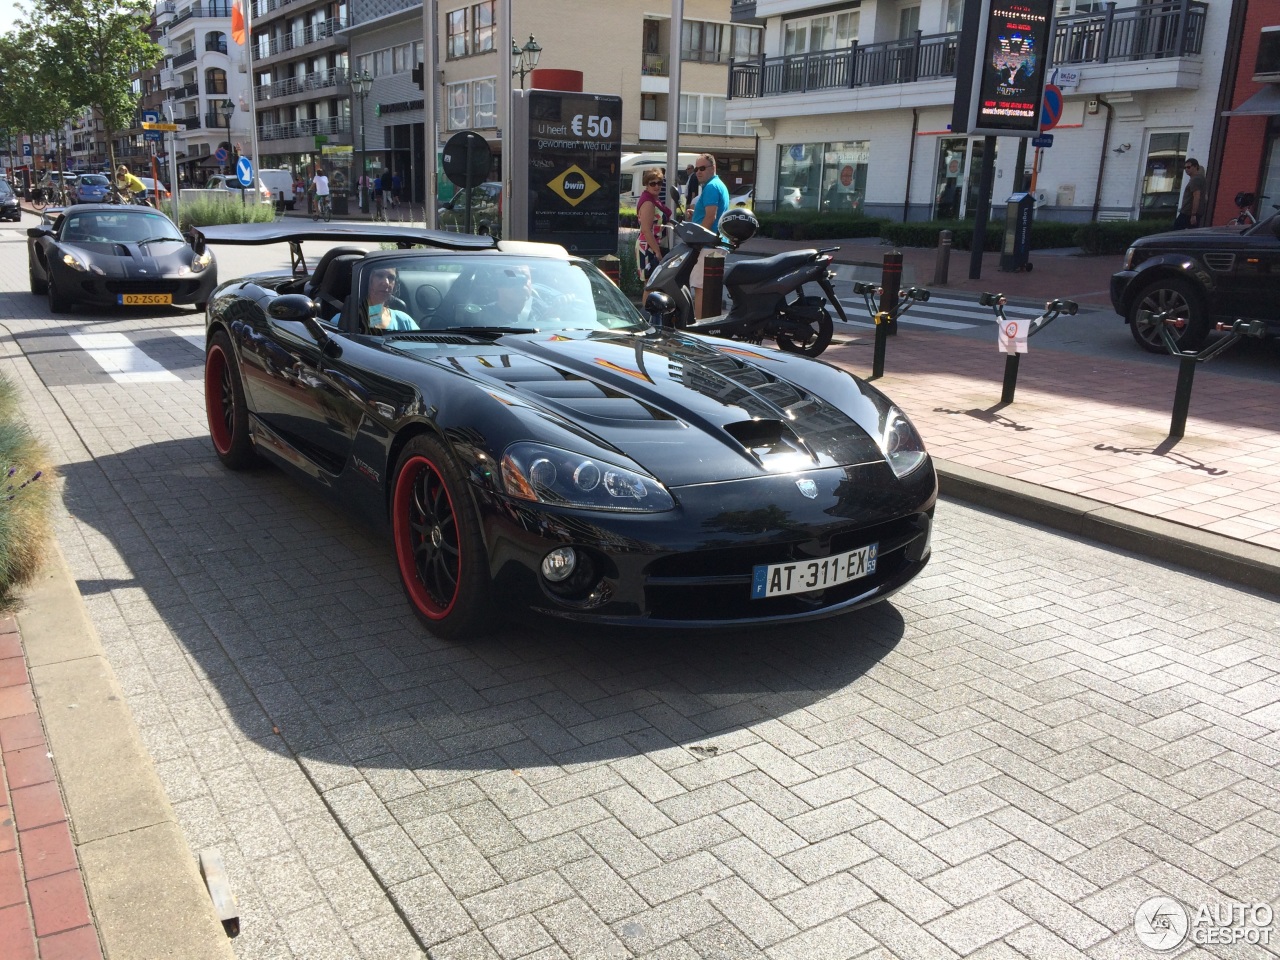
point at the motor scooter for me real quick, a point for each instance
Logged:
(767, 294)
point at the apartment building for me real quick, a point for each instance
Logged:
(852, 102)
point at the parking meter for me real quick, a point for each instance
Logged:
(1015, 251)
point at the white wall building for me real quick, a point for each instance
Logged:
(853, 105)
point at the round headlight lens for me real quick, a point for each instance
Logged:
(559, 564)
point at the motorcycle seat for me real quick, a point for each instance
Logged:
(763, 268)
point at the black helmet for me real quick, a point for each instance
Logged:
(739, 224)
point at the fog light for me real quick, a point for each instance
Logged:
(559, 564)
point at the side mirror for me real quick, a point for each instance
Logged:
(35, 233)
(293, 306)
(659, 306)
(197, 242)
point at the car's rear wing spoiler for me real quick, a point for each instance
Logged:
(294, 232)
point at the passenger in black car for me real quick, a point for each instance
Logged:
(513, 289)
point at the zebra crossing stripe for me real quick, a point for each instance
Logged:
(116, 354)
(193, 335)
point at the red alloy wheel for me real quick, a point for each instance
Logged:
(219, 399)
(427, 538)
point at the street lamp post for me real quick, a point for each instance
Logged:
(524, 60)
(361, 83)
(228, 110)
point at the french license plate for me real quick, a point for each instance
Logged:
(804, 576)
(142, 299)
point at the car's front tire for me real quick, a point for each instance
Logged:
(58, 302)
(225, 407)
(1169, 295)
(439, 549)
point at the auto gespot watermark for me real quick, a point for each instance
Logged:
(1162, 923)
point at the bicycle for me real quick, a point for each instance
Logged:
(1245, 217)
(322, 209)
(36, 197)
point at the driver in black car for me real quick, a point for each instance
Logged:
(513, 289)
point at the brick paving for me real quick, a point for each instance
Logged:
(44, 911)
(1004, 761)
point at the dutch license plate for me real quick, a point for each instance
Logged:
(804, 576)
(142, 299)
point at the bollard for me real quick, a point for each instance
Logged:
(891, 284)
(712, 290)
(611, 266)
(944, 258)
(883, 321)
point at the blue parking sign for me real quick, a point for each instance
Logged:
(244, 172)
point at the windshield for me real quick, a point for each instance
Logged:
(117, 227)
(491, 293)
(5, 189)
(94, 180)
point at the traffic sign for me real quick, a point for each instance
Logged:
(1042, 141)
(166, 127)
(220, 154)
(150, 116)
(244, 172)
(1051, 108)
(466, 158)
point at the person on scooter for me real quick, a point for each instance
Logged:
(712, 202)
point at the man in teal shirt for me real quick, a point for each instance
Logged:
(712, 202)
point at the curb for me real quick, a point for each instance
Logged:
(144, 886)
(1246, 564)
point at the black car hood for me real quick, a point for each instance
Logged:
(118, 259)
(686, 410)
(1204, 238)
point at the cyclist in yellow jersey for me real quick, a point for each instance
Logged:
(127, 181)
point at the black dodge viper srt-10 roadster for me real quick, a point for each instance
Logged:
(532, 442)
(104, 254)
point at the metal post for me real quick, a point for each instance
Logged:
(364, 179)
(985, 187)
(1010, 377)
(882, 336)
(1182, 395)
(891, 283)
(944, 258)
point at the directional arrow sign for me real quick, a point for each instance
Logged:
(167, 127)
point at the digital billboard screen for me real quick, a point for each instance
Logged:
(1011, 65)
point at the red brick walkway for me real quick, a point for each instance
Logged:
(44, 912)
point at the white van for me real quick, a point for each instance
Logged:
(279, 182)
(631, 174)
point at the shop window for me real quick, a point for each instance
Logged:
(1162, 176)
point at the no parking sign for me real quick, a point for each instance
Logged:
(1051, 108)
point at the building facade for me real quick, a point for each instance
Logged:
(853, 103)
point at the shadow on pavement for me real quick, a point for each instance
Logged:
(293, 618)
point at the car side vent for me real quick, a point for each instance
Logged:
(438, 338)
(1220, 262)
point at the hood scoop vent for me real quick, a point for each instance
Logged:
(767, 440)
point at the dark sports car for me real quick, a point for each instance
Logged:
(9, 207)
(531, 442)
(105, 253)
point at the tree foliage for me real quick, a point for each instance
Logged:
(93, 48)
(31, 98)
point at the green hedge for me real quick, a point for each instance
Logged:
(1115, 237)
(813, 225)
(202, 212)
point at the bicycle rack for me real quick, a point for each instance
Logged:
(886, 320)
(1187, 359)
(1052, 310)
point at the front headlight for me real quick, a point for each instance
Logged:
(545, 474)
(199, 262)
(74, 263)
(1128, 258)
(899, 442)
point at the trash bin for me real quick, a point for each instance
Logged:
(339, 203)
(1015, 252)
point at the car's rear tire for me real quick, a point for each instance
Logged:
(1169, 294)
(225, 407)
(38, 287)
(440, 552)
(58, 303)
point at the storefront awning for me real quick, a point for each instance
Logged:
(1264, 103)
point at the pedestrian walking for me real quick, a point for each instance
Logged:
(711, 203)
(651, 212)
(1191, 213)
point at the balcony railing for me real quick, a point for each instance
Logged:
(192, 122)
(182, 59)
(215, 85)
(261, 7)
(300, 38)
(303, 128)
(1149, 32)
(292, 85)
(215, 121)
(212, 45)
(185, 93)
(213, 9)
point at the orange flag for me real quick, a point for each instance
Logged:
(237, 23)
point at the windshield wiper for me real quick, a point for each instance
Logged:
(500, 331)
(143, 243)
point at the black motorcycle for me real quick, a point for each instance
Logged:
(768, 297)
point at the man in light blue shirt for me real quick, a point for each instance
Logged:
(712, 202)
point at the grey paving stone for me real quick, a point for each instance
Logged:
(610, 896)
(580, 932)
(815, 903)
(676, 919)
(430, 910)
(518, 937)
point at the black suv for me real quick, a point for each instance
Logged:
(1202, 277)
